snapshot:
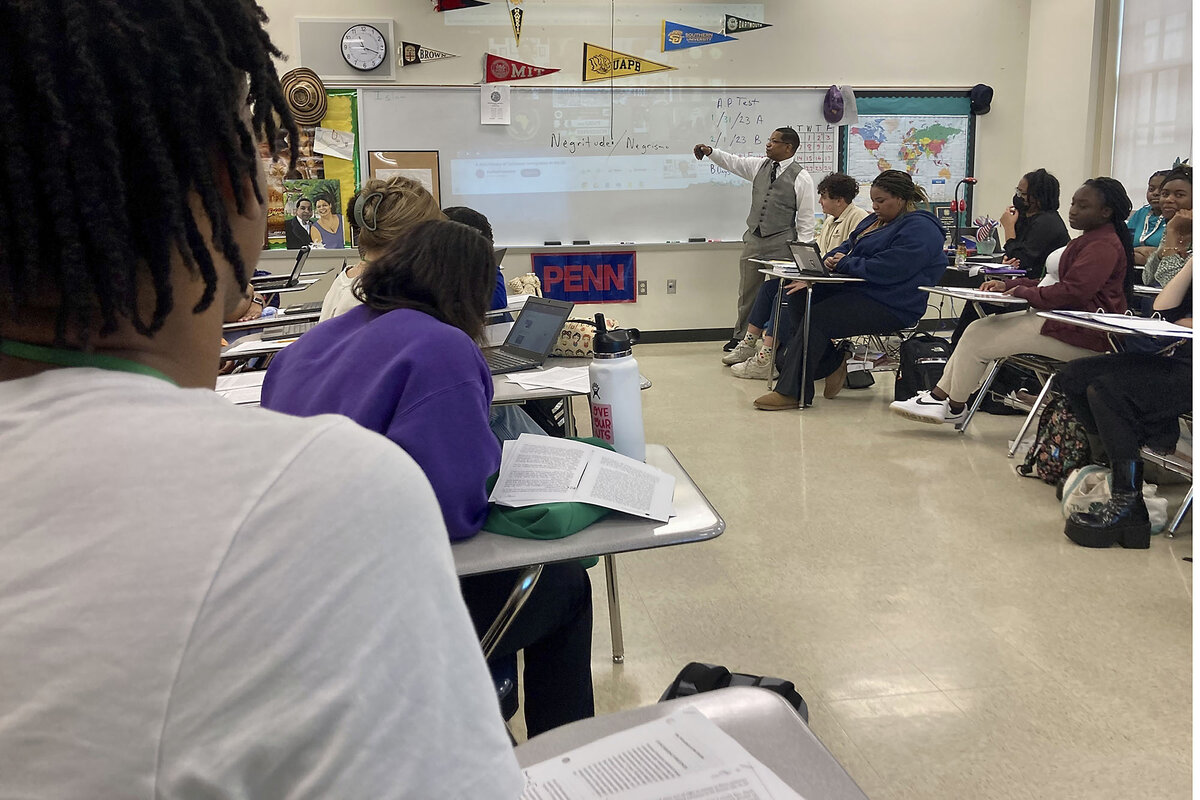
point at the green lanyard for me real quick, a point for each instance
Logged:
(75, 358)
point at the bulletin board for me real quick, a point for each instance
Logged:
(421, 165)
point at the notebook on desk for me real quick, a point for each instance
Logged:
(271, 282)
(531, 337)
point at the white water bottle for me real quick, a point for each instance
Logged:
(616, 395)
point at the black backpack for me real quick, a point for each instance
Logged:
(696, 678)
(923, 358)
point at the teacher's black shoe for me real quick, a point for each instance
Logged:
(1123, 520)
(732, 343)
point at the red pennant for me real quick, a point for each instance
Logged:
(505, 69)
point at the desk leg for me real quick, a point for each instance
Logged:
(614, 610)
(804, 342)
(1037, 404)
(775, 336)
(516, 601)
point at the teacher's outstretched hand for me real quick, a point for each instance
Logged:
(702, 150)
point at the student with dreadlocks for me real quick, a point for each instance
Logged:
(180, 620)
(1094, 273)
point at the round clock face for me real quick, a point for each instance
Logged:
(364, 47)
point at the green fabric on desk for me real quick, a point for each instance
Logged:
(546, 520)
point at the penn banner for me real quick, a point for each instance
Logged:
(600, 63)
(739, 25)
(517, 15)
(498, 69)
(588, 277)
(413, 53)
(451, 5)
(679, 37)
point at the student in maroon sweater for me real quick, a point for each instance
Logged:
(1093, 276)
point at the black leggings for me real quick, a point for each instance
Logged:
(554, 628)
(1129, 399)
(836, 314)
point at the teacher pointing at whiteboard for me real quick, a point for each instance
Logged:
(781, 210)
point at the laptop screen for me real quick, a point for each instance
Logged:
(538, 325)
(807, 257)
(301, 257)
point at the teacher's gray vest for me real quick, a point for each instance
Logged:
(773, 205)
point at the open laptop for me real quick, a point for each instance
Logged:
(531, 337)
(271, 282)
(808, 259)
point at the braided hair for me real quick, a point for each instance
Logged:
(113, 113)
(1043, 189)
(1114, 197)
(899, 183)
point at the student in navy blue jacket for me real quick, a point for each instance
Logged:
(895, 250)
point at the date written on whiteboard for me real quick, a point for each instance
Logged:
(733, 120)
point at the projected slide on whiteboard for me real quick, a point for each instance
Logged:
(598, 164)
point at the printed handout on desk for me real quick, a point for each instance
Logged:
(980, 295)
(568, 379)
(684, 756)
(256, 346)
(1147, 326)
(541, 469)
(245, 388)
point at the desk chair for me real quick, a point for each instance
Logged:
(1180, 465)
(1043, 367)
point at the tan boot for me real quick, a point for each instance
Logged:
(835, 380)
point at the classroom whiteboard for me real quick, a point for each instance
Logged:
(602, 164)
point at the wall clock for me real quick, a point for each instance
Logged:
(364, 47)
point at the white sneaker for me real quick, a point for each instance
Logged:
(756, 368)
(925, 408)
(743, 352)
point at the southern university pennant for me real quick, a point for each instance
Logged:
(413, 53)
(739, 25)
(451, 5)
(600, 63)
(517, 14)
(498, 69)
(678, 37)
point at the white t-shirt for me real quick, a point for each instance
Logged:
(340, 297)
(200, 600)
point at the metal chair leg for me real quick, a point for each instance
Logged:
(516, 600)
(614, 610)
(1037, 405)
(1184, 507)
(987, 382)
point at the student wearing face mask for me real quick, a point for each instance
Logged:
(1032, 231)
(1032, 227)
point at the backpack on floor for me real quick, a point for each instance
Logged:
(923, 358)
(696, 678)
(1061, 445)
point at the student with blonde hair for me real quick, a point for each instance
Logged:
(379, 213)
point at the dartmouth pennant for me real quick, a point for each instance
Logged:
(498, 69)
(413, 53)
(679, 37)
(451, 5)
(600, 63)
(738, 25)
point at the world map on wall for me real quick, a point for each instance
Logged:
(933, 149)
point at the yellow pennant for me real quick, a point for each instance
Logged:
(600, 63)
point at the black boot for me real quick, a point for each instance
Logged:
(1123, 519)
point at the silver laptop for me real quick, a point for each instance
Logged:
(808, 259)
(531, 337)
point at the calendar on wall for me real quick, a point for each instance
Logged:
(818, 150)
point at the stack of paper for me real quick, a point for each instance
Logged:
(684, 755)
(541, 469)
(242, 389)
(1147, 326)
(569, 379)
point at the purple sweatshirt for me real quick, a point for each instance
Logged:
(419, 382)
